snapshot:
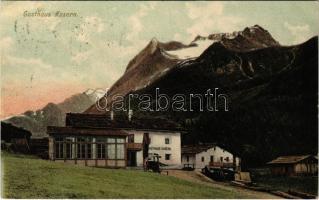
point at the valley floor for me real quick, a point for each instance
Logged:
(30, 177)
(198, 177)
(307, 184)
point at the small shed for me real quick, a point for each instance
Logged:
(17, 139)
(294, 165)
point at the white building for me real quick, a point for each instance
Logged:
(166, 144)
(199, 156)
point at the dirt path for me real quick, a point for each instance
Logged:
(198, 177)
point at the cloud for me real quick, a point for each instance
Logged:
(204, 11)
(6, 43)
(95, 22)
(91, 25)
(80, 57)
(299, 32)
(177, 37)
(135, 20)
(25, 62)
(210, 17)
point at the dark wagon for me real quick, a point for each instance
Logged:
(219, 174)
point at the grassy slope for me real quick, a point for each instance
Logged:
(29, 177)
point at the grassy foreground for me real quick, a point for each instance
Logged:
(30, 177)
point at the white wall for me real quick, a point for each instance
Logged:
(216, 152)
(158, 146)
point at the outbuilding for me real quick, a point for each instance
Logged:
(202, 155)
(294, 165)
(15, 138)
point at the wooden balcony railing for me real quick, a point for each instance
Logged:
(134, 146)
(221, 164)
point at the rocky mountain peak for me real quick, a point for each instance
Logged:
(157, 58)
(153, 45)
(250, 38)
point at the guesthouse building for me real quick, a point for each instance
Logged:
(99, 140)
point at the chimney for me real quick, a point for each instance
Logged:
(112, 115)
(130, 114)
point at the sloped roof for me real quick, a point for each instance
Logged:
(104, 121)
(289, 159)
(195, 149)
(55, 130)
(9, 131)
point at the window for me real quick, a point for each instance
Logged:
(203, 159)
(59, 147)
(100, 148)
(120, 140)
(221, 159)
(80, 147)
(227, 159)
(167, 156)
(211, 158)
(187, 158)
(84, 148)
(166, 140)
(69, 147)
(120, 148)
(111, 151)
(120, 151)
(111, 148)
(89, 148)
(111, 140)
(130, 138)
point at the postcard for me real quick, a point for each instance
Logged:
(159, 99)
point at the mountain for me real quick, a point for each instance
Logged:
(250, 38)
(53, 114)
(272, 100)
(148, 65)
(272, 93)
(157, 58)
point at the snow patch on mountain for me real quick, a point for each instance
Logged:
(194, 51)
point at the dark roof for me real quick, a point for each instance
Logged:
(289, 159)
(195, 149)
(54, 130)
(104, 121)
(9, 131)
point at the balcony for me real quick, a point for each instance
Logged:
(221, 164)
(134, 146)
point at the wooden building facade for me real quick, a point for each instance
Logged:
(101, 141)
(14, 138)
(87, 146)
(294, 165)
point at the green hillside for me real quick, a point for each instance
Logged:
(30, 177)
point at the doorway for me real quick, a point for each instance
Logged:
(131, 158)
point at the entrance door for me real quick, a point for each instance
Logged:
(131, 158)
